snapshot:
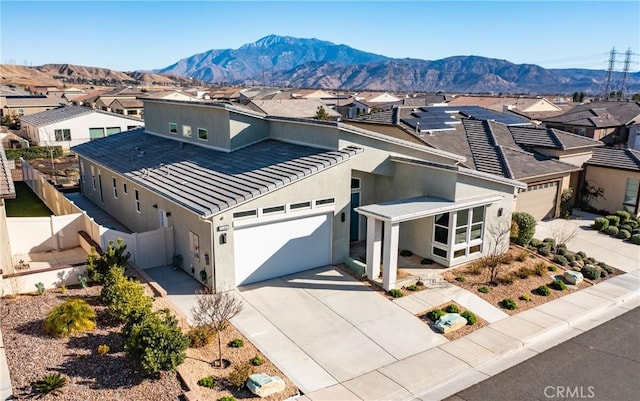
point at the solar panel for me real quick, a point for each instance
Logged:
(422, 125)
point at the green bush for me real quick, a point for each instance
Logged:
(623, 215)
(561, 260)
(581, 254)
(540, 269)
(34, 152)
(525, 297)
(632, 223)
(570, 257)
(635, 238)
(435, 314)
(544, 251)
(552, 268)
(240, 375)
(406, 253)
(125, 297)
(73, 316)
(591, 272)
(635, 231)
(470, 316)
(413, 287)
(606, 267)
(522, 256)
(99, 266)
(483, 289)
(509, 304)
(613, 220)
(550, 241)
(543, 290)
(558, 285)
(452, 309)
(526, 224)
(199, 336)
(395, 293)
(236, 343)
(535, 242)
(561, 250)
(624, 234)
(227, 398)
(50, 384)
(612, 230)
(426, 261)
(600, 223)
(40, 288)
(461, 279)
(625, 227)
(257, 360)
(207, 382)
(156, 343)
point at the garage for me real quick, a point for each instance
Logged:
(277, 248)
(539, 200)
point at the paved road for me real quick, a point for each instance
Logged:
(602, 364)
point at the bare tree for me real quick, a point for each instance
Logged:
(562, 231)
(215, 310)
(497, 243)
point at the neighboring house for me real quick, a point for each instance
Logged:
(617, 172)
(296, 108)
(173, 95)
(547, 160)
(72, 125)
(7, 191)
(128, 107)
(371, 98)
(603, 121)
(533, 108)
(19, 106)
(88, 99)
(252, 197)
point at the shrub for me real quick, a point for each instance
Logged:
(257, 360)
(33, 152)
(240, 375)
(606, 267)
(625, 227)
(613, 220)
(522, 256)
(525, 297)
(526, 224)
(535, 242)
(227, 398)
(73, 316)
(570, 257)
(633, 224)
(50, 384)
(509, 304)
(623, 215)
(40, 288)
(470, 316)
(413, 287)
(581, 254)
(103, 349)
(452, 309)
(156, 343)
(475, 268)
(635, 231)
(199, 336)
(591, 272)
(624, 234)
(561, 260)
(236, 343)
(552, 268)
(406, 253)
(125, 297)
(207, 382)
(435, 314)
(612, 230)
(550, 241)
(506, 259)
(395, 293)
(540, 269)
(561, 250)
(544, 251)
(483, 289)
(461, 279)
(543, 290)
(524, 272)
(558, 285)
(600, 223)
(99, 266)
(507, 278)
(635, 238)
(590, 260)
(426, 261)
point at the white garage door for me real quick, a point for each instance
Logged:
(539, 200)
(283, 247)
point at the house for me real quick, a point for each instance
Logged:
(173, 95)
(7, 191)
(18, 106)
(72, 125)
(128, 107)
(617, 173)
(547, 160)
(372, 98)
(602, 121)
(296, 108)
(533, 108)
(88, 99)
(252, 197)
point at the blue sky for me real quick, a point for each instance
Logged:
(129, 35)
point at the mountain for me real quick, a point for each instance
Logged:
(312, 63)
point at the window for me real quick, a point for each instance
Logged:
(130, 127)
(467, 235)
(202, 134)
(137, 195)
(124, 187)
(355, 183)
(186, 131)
(194, 245)
(96, 133)
(113, 130)
(327, 201)
(82, 170)
(246, 213)
(21, 112)
(441, 228)
(631, 195)
(301, 205)
(173, 128)
(115, 188)
(274, 209)
(132, 112)
(62, 135)
(93, 178)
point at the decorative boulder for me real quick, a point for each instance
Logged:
(263, 385)
(450, 322)
(573, 277)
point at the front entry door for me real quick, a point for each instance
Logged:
(355, 217)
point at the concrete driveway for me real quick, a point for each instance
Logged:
(322, 327)
(613, 251)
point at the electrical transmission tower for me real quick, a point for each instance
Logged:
(607, 81)
(625, 72)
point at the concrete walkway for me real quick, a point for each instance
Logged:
(96, 213)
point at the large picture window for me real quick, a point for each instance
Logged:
(62, 135)
(466, 238)
(631, 195)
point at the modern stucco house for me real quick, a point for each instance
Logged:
(253, 197)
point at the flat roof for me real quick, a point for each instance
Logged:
(422, 206)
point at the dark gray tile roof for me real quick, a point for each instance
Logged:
(624, 159)
(64, 113)
(7, 190)
(550, 138)
(599, 114)
(527, 166)
(204, 180)
(487, 155)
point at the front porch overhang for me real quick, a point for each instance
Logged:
(392, 214)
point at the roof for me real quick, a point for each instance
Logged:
(296, 108)
(599, 114)
(423, 206)
(623, 159)
(64, 113)
(207, 181)
(34, 101)
(551, 138)
(497, 103)
(7, 190)
(128, 103)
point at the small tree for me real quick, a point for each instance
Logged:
(562, 231)
(565, 203)
(497, 243)
(124, 297)
(321, 114)
(99, 266)
(214, 310)
(526, 227)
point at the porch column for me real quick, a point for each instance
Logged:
(390, 255)
(374, 238)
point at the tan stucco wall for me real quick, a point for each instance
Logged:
(573, 157)
(613, 181)
(6, 263)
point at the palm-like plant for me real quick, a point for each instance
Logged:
(50, 384)
(73, 316)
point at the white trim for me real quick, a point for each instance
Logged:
(282, 217)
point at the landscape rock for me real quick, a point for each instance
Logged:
(573, 277)
(263, 385)
(450, 322)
